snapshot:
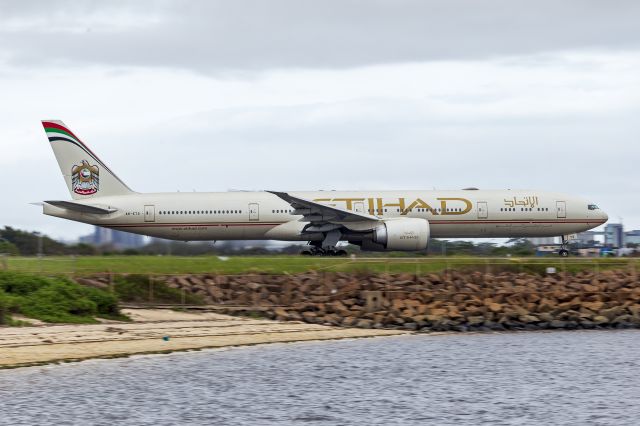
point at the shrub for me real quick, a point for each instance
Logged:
(54, 299)
(106, 303)
(4, 308)
(21, 284)
(59, 302)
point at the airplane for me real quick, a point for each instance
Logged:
(373, 220)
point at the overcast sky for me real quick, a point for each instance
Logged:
(297, 95)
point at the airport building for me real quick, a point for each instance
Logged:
(614, 236)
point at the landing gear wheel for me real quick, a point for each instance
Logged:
(341, 253)
(313, 250)
(564, 253)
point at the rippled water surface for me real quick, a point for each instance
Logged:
(518, 378)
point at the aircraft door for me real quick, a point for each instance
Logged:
(149, 213)
(483, 210)
(358, 207)
(254, 212)
(561, 208)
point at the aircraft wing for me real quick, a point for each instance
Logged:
(319, 214)
(81, 208)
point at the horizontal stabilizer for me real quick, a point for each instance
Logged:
(81, 208)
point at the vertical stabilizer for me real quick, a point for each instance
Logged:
(86, 176)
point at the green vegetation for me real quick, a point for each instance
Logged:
(164, 265)
(5, 306)
(17, 242)
(53, 299)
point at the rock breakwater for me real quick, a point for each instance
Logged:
(450, 301)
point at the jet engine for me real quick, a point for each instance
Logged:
(399, 234)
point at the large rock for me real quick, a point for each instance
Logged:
(557, 324)
(438, 312)
(309, 316)
(254, 286)
(364, 323)
(495, 307)
(546, 305)
(281, 314)
(611, 313)
(593, 306)
(475, 320)
(349, 321)
(528, 319)
(216, 293)
(600, 320)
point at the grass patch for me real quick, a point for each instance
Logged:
(53, 299)
(167, 265)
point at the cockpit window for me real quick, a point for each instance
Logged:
(592, 207)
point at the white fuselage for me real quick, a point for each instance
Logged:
(263, 215)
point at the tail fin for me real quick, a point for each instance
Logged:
(85, 174)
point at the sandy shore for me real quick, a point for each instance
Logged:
(25, 346)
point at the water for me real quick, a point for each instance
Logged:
(577, 378)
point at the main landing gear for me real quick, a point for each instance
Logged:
(317, 251)
(325, 248)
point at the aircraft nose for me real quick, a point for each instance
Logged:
(604, 217)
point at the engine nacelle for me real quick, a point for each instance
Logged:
(402, 234)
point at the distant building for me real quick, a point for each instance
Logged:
(632, 237)
(111, 237)
(590, 252)
(614, 235)
(587, 238)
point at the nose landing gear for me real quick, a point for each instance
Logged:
(563, 252)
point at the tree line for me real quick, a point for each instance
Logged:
(24, 243)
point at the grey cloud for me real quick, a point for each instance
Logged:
(214, 36)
